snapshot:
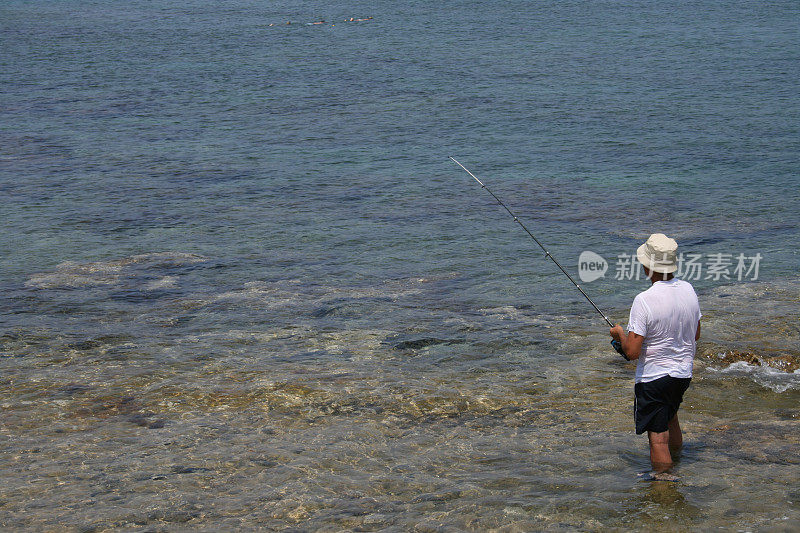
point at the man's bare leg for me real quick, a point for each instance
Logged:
(660, 457)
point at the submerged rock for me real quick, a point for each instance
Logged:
(785, 362)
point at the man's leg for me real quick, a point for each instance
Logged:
(660, 457)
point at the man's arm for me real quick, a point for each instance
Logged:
(697, 335)
(632, 342)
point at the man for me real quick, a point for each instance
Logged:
(663, 330)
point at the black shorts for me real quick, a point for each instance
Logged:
(657, 401)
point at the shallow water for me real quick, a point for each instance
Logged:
(242, 285)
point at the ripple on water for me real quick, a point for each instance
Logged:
(297, 417)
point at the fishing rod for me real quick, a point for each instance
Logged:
(615, 343)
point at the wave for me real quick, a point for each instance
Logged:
(779, 372)
(766, 376)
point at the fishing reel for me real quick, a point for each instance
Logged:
(618, 347)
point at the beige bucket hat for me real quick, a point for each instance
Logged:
(659, 254)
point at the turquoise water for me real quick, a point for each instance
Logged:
(243, 285)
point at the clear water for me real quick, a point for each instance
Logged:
(243, 286)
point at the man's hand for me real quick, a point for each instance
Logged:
(631, 343)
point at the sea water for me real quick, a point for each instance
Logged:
(243, 285)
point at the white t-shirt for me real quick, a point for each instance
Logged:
(666, 315)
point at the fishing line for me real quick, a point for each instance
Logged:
(615, 343)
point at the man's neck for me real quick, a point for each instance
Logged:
(658, 276)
